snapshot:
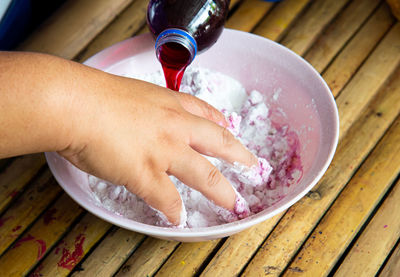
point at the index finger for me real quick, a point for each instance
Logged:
(213, 140)
(201, 108)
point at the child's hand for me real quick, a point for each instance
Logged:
(123, 130)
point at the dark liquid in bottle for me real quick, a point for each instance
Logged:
(203, 19)
(174, 59)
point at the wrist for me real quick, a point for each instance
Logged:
(31, 102)
(60, 97)
(44, 99)
(76, 108)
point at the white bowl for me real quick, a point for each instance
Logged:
(257, 63)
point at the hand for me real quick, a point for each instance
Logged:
(139, 133)
(135, 134)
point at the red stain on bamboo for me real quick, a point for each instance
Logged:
(69, 260)
(3, 220)
(41, 244)
(48, 217)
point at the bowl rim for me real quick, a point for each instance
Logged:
(224, 229)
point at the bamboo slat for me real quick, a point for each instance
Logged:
(167, 258)
(144, 29)
(238, 249)
(308, 26)
(248, 9)
(73, 26)
(392, 267)
(124, 20)
(376, 241)
(339, 32)
(347, 215)
(64, 34)
(301, 218)
(371, 76)
(17, 175)
(27, 207)
(357, 50)
(88, 18)
(271, 12)
(111, 253)
(144, 261)
(73, 247)
(39, 238)
(4, 163)
(249, 13)
(131, 21)
(278, 21)
(233, 3)
(222, 263)
(124, 26)
(187, 258)
(118, 30)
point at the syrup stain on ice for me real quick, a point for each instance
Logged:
(276, 146)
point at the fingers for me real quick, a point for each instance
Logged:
(161, 194)
(213, 140)
(201, 108)
(197, 172)
(216, 141)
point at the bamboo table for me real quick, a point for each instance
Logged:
(348, 225)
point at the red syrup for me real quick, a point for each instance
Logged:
(174, 59)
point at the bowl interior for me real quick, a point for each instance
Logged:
(296, 95)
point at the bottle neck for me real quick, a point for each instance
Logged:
(179, 36)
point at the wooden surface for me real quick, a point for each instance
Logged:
(348, 225)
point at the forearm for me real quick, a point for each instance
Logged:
(36, 92)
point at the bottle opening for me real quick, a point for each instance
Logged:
(175, 50)
(177, 37)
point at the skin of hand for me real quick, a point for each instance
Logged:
(123, 130)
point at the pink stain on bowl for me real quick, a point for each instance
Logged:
(297, 96)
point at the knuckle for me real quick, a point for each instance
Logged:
(173, 113)
(209, 112)
(227, 138)
(213, 178)
(165, 138)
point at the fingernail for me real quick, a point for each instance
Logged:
(241, 209)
